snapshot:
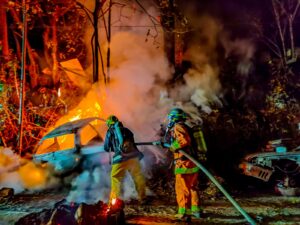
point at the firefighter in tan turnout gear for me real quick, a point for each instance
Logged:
(186, 172)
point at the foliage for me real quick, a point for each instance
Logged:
(36, 119)
(56, 32)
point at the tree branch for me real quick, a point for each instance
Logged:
(277, 18)
(296, 10)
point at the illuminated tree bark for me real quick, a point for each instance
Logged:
(285, 13)
(168, 22)
(3, 29)
(32, 64)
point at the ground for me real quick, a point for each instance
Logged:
(265, 208)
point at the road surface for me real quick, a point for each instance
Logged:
(264, 208)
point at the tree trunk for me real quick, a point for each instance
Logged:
(96, 42)
(107, 79)
(282, 39)
(3, 29)
(54, 51)
(292, 56)
(291, 19)
(33, 71)
(168, 22)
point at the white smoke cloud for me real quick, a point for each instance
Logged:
(91, 186)
(11, 180)
(139, 69)
(9, 176)
(201, 85)
(21, 174)
(138, 72)
(244, 49)
(137, 93)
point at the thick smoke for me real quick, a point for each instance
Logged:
(21, 174)
(244, 50)
(91, 186)
(201, 85)
(137, 92)
(139, 69)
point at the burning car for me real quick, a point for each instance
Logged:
(74, 145)
(277, 163)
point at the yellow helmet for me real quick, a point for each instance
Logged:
(112, 119)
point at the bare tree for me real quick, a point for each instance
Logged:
(285, 13)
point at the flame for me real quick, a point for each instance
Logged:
(77, 117)
(58, 92)
(89, 106)
(97, 106)
(113, 201)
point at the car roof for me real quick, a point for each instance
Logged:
(70, 127)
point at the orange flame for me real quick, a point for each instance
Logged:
(89, 106)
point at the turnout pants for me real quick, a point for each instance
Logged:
(118, 173)
(186, 193)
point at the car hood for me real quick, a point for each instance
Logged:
(70, 127)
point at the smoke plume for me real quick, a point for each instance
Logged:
(138, 73)
(137, 92)
(201, 84)
(21, 174)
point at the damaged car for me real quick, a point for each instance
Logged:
(277, 163)
(73, 146)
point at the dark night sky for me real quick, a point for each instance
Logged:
(234, 14)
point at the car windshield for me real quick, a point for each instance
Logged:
(59, 143)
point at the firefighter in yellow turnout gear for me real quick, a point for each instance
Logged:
(186, 172)
(120, 140)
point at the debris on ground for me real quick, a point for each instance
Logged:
(6, 194)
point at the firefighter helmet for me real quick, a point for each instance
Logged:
(112, 119)
(176, 115)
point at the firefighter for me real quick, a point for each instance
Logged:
(186, 172)
(120, 140)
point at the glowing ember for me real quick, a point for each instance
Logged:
(113, 201)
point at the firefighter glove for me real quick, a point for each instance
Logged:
(175, 146)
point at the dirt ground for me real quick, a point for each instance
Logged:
(263, 208)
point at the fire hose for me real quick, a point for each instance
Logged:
(213, 179)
